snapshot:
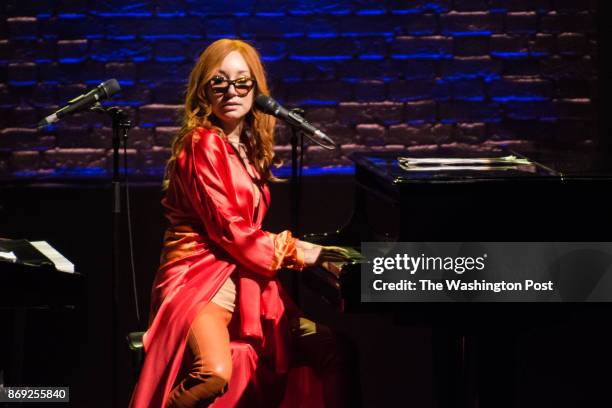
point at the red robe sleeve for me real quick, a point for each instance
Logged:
(206, 176)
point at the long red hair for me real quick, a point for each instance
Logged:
(198, 112)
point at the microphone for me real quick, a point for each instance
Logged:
(103, 91)
(271, 107)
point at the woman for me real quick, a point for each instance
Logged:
(217, 280)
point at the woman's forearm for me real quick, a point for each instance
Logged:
(311, 252)
(304, 245)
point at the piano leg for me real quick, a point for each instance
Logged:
(14, 373)
(474, 370)
(497, 365)
(454, 368)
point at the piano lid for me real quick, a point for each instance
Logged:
(400, 167)
(414, 167)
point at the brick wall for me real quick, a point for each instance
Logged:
(374, 74)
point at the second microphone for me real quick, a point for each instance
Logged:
(270, 106)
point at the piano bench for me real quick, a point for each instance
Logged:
(134, 340)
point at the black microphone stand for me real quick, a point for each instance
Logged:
(121, 127)
(296, 187)
(296, 174)
(297, 136)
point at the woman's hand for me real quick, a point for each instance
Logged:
(334, 254)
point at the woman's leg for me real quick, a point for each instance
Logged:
(331, 360)
(210, 369)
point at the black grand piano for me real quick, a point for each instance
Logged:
(560, 196)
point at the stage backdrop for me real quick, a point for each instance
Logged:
(387, 75)
(373, 74)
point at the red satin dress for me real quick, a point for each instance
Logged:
(215, 231)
